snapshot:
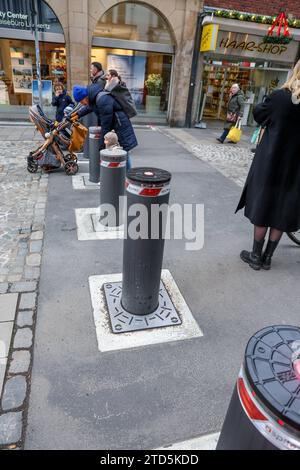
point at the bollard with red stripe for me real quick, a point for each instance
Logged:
(94, 154)
(264, 412)
(143, 250)
(112, 185)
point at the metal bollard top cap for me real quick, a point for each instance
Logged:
(95, 130)
(113, 154)
(149, 176)
(269, 366)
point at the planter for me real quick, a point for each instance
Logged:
(152, 104)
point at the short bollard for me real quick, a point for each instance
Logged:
(94, 154)
(264, 412)
(112, 186)
(90, 120)
(143, 257)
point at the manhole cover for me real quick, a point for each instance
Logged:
(124, 322)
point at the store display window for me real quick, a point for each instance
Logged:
(18, 70)
(147, 75)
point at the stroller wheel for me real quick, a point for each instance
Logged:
(32, 166)
(71, 168)
(70, 157)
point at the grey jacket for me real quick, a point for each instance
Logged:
(100, 80)
(237, 103)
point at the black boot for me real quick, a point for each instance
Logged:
(267, 256)
(253, 258)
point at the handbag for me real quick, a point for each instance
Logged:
(232, 117)
(79, 134)
(235, 132)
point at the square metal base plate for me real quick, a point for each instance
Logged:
(123, 321)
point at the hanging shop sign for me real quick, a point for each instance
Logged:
(252, 46)
(18, 15)
(209, 37)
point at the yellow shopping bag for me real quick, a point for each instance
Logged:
(235, 132)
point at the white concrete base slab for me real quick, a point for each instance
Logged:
(8, 305)
(81, 181)
(208, 442)
(108, 341)
(89, 227)
(3, 363)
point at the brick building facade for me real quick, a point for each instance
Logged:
(291, 7)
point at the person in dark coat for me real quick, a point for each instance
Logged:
(98, 75)
(109, 112)
(235, 110)
(120, 92)
(271, 196)
(60, 100)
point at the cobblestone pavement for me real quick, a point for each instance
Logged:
(22, 217)
(233, 161)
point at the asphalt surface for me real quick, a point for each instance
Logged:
(156, 395)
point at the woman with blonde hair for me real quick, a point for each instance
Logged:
(271, 196)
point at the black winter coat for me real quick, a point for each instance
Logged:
(271, 195)
(110, 117)
(61, 102)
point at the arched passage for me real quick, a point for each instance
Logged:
(137, 41)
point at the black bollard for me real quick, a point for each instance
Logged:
(264, 412)
(112, 185)
(142, 259)
(94, 154)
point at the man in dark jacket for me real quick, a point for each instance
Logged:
(109, 112)
(60, 100)
(97, 74)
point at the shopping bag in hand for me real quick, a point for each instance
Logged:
(235, 132)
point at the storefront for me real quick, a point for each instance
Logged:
(18, 86)
(136, 41)
(234, 52)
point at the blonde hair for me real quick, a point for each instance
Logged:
(293, 83)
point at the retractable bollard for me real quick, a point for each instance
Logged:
(264, 412)
(90, 120)
(94, 154)
(112, 187)
(143, 257)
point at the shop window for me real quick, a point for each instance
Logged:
(133, 21)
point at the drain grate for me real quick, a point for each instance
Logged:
(124, 322)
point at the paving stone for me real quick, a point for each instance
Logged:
(23, 287)
(10, 428)
(36, 246)
(32, 273)
(23, 338)
(14, 278)
(20, 362)
(14, 393)
(3, 288)
(28, 301)
(37, 235)
(8, 305)
(33, 260)
(3, 363)
(25, 319)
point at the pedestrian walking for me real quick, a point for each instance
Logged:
(109, 112)
(235, 110)
(271, 196)
(60, 100)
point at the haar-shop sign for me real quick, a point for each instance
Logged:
(251, 46)
(18, 15)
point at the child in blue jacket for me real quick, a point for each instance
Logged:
(60, 100)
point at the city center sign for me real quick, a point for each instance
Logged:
(18, 15)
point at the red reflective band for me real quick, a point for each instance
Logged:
(250, 408)
(280, 422)
(114, 165)
(150, 192)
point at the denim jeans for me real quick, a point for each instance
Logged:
(129, 162)
(224, 135)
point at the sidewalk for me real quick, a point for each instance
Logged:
(154, 395)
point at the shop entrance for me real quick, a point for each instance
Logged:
(255, 81)
(137, 42)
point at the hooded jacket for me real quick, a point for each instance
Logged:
(61, 102)
(110, 117)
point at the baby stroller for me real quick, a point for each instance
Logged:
(59, 146)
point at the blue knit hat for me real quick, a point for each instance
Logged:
(80, 92)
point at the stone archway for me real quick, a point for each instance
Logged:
(79, 20)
